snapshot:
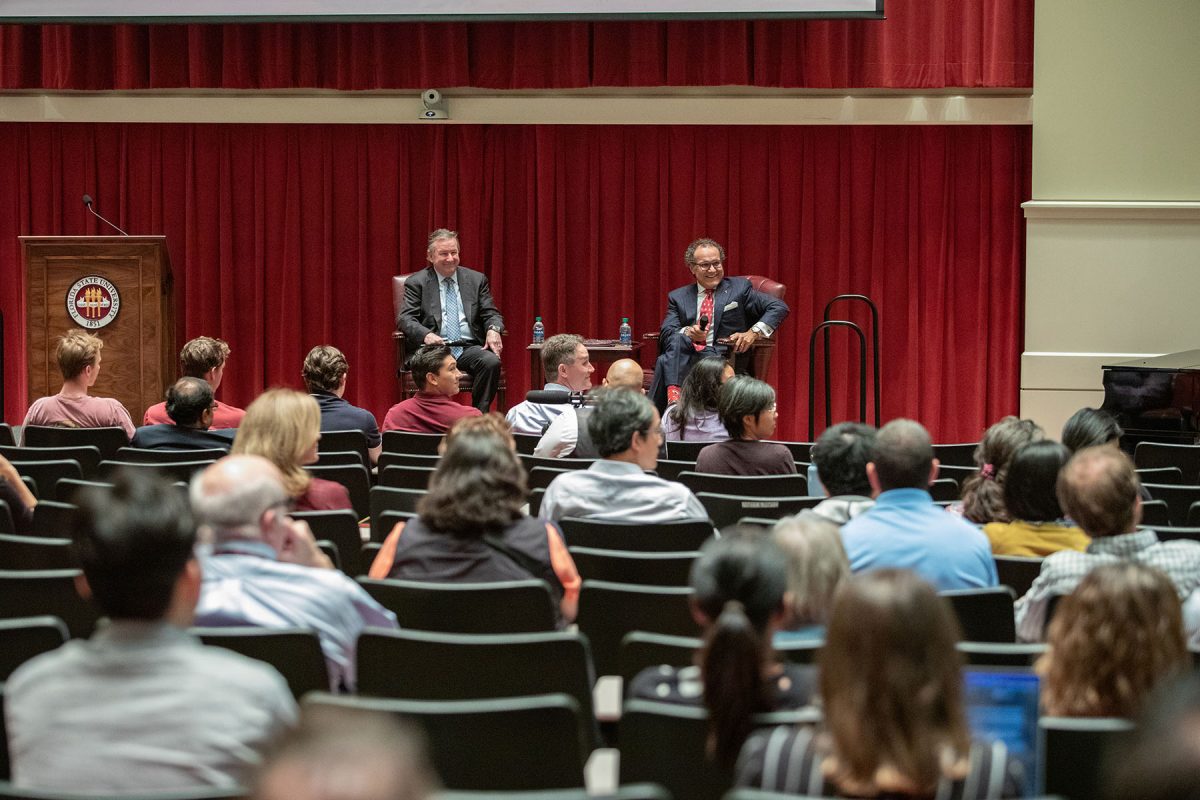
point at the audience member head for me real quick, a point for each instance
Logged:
(1090, 427)
(135, 544)
(700, 390)
(1030, 492)
(902, 457)
(747, 408)
(492, 423)
(1160, 759)
(841, 454)
(205, 357)
(442, 252)
(983, 492)
(347, 754)
(891, 682)
(625, 373)
(283, 426)
(1098, 489)
(566, 362)
(79, 356)
(625, 426)
(240, 497)
(435, 370)
(816, 566)
(1112, 641)
(325, 370)
(739, 584)
(190, 403)
(478, 487)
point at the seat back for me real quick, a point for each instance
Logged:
(387, 459)
(88, 456)
(294, 652)
(526, 442)
(685, 451)
(36, 553)
(801, 451)
(47, 474)
(142, 455)
(608, 611)
(522, 606)
(67, 487)
(355, 478)
(1072, 750)
(1148, 455)
(25, 637)
(667, 537)
(542, 477)
(1178, 498)
(412, 443)
(631, 566)
(985, 615)
(405, 477)
(343, 441)
(52, 518)
(727, 509)
(499, 744)
(944, 489)
(642, 649)
(10, 792)
(167, 470)
(956, 455)
(385, 498)
(7, 524)
(341, 528)
(1018, 572)
(1160, 475)
(1001, 654)
(107, 440)
(1155, 513)
(1167, 533)
(959, 474)
(746, 485)
(6, 435)
(36, 592)
(529, 462)
(670, 470)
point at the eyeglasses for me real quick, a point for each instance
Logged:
(707, 266)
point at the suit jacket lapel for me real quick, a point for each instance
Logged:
(435, 301)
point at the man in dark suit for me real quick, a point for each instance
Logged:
(472, 317)
(730, 308)
(190, 406)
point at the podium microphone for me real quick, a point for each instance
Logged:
(87, 201)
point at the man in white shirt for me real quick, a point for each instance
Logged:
(568, 370)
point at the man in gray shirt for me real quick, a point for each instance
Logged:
(142, 706)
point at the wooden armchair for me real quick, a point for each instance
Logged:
(408, 387)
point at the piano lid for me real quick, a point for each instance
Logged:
(1187, 361)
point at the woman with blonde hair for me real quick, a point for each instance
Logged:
(284, 426)
(891, 686)
(816, 566)
(1112, 641)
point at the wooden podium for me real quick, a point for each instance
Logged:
(138, 360)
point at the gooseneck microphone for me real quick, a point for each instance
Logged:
(87, 201)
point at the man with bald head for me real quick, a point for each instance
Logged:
(190, 405)
(266, 570)
(567, 435)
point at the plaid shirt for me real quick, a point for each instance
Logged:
(1062, 572)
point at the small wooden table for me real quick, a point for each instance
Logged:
(600, 351)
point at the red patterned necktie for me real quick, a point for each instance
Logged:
(706, 310)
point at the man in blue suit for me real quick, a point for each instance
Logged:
(714, 317)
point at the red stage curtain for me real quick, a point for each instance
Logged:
(285, 236)
(923, 44)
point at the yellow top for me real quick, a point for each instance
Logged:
(1039, 539)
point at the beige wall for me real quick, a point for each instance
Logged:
(1113, 229)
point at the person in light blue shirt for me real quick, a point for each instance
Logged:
(905, 529)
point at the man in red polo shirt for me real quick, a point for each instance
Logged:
(202, 357)
(433, 409)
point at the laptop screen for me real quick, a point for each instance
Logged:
(1003, 704)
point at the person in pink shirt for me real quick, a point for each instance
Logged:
(202, 357)
(433, 409)
(79, 359)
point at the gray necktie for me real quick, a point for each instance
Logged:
(451, 330)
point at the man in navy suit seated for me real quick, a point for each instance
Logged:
(702, 314)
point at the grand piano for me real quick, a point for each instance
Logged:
(1156, 399)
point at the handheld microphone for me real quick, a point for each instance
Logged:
(87, 201)
(702, 323)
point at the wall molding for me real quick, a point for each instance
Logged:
(1186, 210)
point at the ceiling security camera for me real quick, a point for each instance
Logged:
(435, 106)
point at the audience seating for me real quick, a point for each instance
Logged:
(670, 470)
(47, 474)
(141, 455)
(1155, 513)
(36, 553)
(523, 606)
(331, 552)
(944, 489)
(88, 456)
(67, 487)
(368, 553)
(345, 441)
(641, 649)
(633, 566)
(10, 792)
(357, 480)
(405, 460)
(685, 451)
(667, 744)
(7, 525)
(608, 611)
(295, 652)
(535, 501)
(406, 477)
(338, 458)
(421, 665)
(959, 474)
(801, 451)
(6, 435)
(727, 509)
(341, 528)
(385, 498)
(1193, 517)
(1179, 500)
(637, 791)
(541, 477)
(956, 455)
(746, 485)
(25, 637)
(1072, 750)
(1160, 475)
(167, 470)
(985, 615)
(526, 442)
(411, 443)
(1166, 533)
(499, 744)
(685, 535)
(1148, 455)
(387, 520)
(529, 462)
(1001, 654)
(107, 440)
(36, 592)
(1018, 572)
(801, 652)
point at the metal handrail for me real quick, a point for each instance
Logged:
(862, 298)
(812, 360)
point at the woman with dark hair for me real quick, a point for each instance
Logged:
(1038, 527)
(983, 492)
(1090, 427)
(470, 527)
(694, 418)
(747, 410)
(739, 583)
(1112, 641)
(891, 685)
